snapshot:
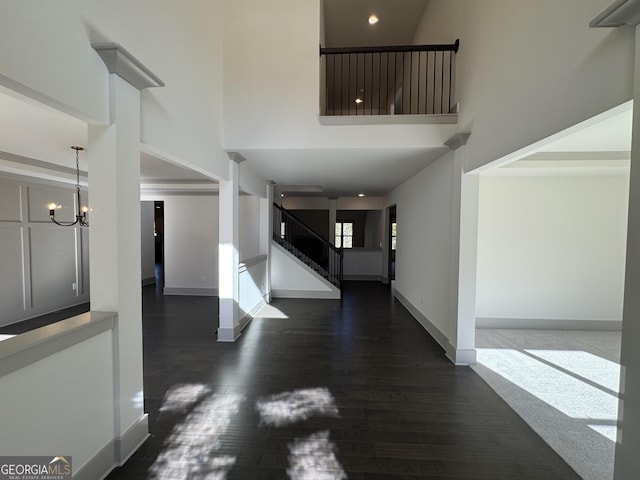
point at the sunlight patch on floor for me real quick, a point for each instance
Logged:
(6, 337)
(572, 396)
(269, 311)
(181, 397)
(290, 407)
(314, 458)
(192, 449)
(607, 431)
(586, 365)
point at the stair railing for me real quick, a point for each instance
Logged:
(307, 245)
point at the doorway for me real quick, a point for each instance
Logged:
(158, 234)
(393, 230)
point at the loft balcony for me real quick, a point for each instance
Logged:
(389, 84)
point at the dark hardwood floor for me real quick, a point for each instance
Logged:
(338, 389)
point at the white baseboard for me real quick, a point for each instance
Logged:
(365, 278)
(457, 356)
(460, 356)
(548, 324)
(116, 452)
(331, 295)
(196, 292)
(434, 331)
(226, 334)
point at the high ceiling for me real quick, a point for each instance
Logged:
(346, 22)
(35, 140)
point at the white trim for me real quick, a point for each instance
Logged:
(621, 12)
(99, 466)
(29, 347)
(103, 462)
(431, 329)
(119, 61)
(329, 295)
(133, 438)
(461, 357)
(189, 291)
(450, 118)
(365, 278)
(229, 334)
(549, 324)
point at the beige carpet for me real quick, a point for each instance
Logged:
(564, 384)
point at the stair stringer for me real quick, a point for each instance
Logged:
(292, 278)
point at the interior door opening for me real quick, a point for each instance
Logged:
(392, 243)
(158, 233)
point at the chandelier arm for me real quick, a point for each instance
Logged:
(64, 224)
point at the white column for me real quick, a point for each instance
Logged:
(266, 234)
(228, 257)
(464, 235)
(627, 459)
(113, 152)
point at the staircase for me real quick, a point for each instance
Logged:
(307, 246)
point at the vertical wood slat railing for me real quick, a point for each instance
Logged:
(308, 246)
(392, 80)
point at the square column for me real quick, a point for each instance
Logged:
(266, 234)
(627, 460)
(464, 234)
(114, 256)
(114, 240)
(229, 257)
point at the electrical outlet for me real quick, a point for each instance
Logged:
(74, 286)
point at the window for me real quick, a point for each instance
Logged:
(394, 227)
(344, 235)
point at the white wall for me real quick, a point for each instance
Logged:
(271, 93)
(249, 226)
(77, 383)
(253, 286)
(147, 242)
(552, 248)
(529, 69)
(362, 264)
(51, 60)
(190, 244)
(423, 254)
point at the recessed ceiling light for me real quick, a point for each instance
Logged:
(361, 195)
(373, 19)
(282, 195)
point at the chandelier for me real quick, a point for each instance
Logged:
(81, 214)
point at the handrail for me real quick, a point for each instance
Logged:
(452, 47)
(307, 228)
(388, 80)
(308, 245)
